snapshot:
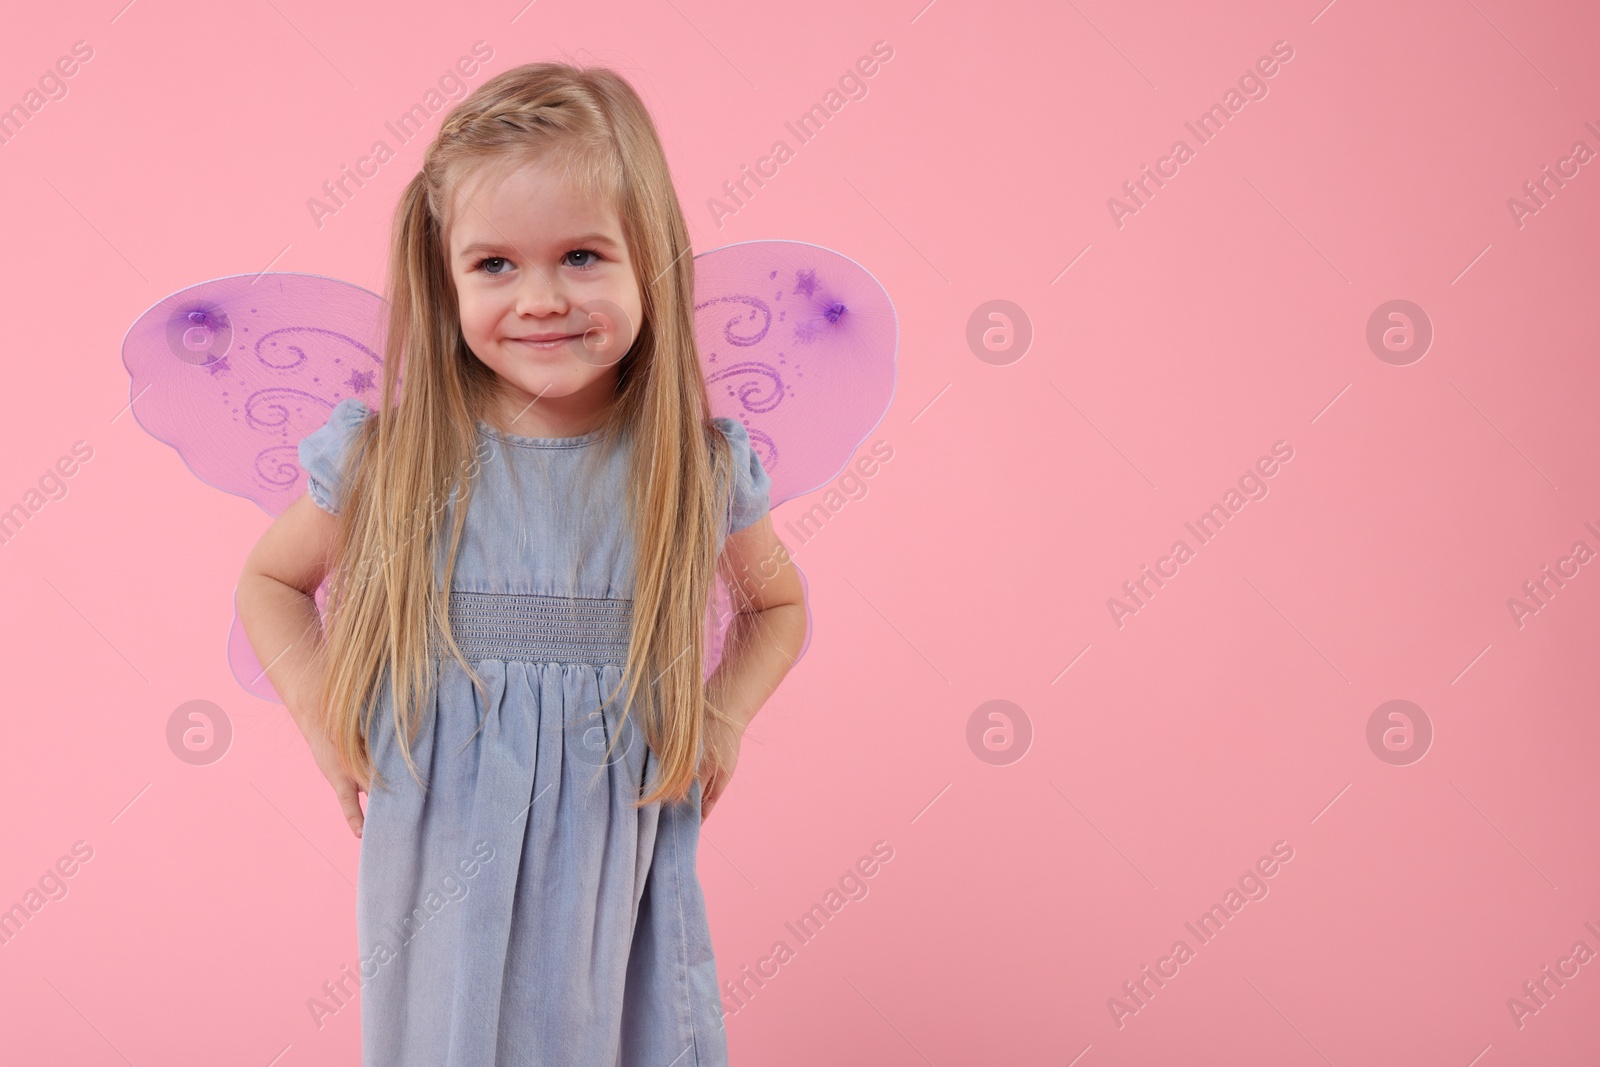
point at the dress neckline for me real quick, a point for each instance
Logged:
(540, 442)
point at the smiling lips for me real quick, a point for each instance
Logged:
(547, 340)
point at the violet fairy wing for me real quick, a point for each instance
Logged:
(234, 371)
(798, 343)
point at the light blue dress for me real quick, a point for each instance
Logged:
(520, 911)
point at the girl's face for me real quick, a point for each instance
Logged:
(548, 298)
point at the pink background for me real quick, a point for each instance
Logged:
(1228, 714)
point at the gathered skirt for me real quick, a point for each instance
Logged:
(521, 911)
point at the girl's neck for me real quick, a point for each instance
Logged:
(575, 415)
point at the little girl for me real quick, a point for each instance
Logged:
(525, 700)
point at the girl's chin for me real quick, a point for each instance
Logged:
(553, 382)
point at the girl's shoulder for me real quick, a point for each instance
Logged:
(323, 451)
(750, 498)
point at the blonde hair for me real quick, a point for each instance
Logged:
(417, 449)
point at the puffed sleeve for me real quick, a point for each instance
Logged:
(751, 483)
(322, 451)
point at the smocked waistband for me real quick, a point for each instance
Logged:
(536, 628)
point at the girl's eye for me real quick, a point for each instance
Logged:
(482, 264)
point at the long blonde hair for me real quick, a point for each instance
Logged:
(418, 449)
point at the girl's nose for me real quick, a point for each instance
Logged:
(540, 294)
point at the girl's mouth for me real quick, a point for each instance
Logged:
(554, 342)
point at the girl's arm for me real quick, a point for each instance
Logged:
(277, 606)
(769, 627)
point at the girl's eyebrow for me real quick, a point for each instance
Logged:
(570, 242)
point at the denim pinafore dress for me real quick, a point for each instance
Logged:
(520, 912)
